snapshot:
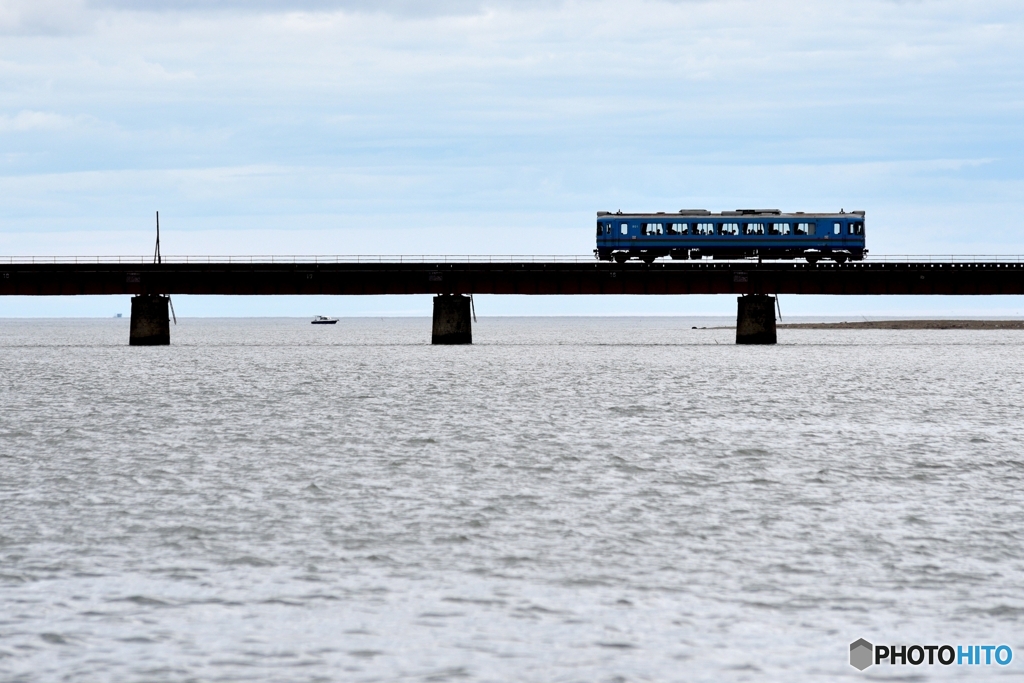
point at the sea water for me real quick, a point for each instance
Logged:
(568, 499)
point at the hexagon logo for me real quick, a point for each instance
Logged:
(862, 654)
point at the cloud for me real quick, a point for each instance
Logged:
(71, 17)
(553, 110)
(394, 7)
(43, 17)
(34, 120)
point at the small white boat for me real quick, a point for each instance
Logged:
(321, 320)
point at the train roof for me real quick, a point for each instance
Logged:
(737, 212)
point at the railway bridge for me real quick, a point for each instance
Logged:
(452, 279)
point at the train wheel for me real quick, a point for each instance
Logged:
(812, 258)
(621, 257)
(648, 258)
(840, 258)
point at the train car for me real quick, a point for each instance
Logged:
(744, 233)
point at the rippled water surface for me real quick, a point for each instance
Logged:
(565, 500)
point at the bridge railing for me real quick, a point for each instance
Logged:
(953, 258)
(301, 258)
(442, 258)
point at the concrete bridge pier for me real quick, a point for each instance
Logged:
(452, 321)
(755, 319)
(151, 324)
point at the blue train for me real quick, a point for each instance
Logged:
(744, 233)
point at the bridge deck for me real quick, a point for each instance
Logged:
(576, 276)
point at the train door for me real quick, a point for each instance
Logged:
(625, 233)
(855, 234)
(837, 235)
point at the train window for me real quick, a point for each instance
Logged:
(730, 229)
(704, 229)
(607, 228)
(652, 228)
(678, 228)
(600, 228)
(624, 228)
(754, 229)
(778, 229)
(805, 228)
(836, 228)
(856, 228)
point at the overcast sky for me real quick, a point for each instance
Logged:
(465, 127)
